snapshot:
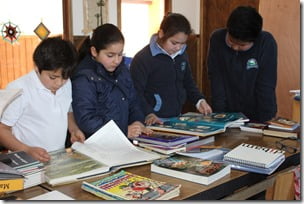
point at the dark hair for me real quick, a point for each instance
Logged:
(244, 24)
(174, 23)
(102, 37)
(55, 53)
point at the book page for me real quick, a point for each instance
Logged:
(7, 96)
(110, 146)
(52, 195)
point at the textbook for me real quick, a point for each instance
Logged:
(191, 169)
(107, 150)
(266, 130)
(7, 96)
(7, 185)
(166, 139)
(255, 158)
(281, 123)
(128, 186)
(253, 127)
(162, 149)
(178, 148)
(199, 124)
(30, 168)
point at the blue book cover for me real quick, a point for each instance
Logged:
(187, 128)
(219, 119)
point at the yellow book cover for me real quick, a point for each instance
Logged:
(11, 184)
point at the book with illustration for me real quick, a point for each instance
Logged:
(201, 125)
(281, 123)
(105, 151)
(128, 186)
(192, 169)
(30, 168)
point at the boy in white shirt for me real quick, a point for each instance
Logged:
(37, 121)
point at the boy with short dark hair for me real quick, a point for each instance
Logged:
(36, 122)
(242, 66)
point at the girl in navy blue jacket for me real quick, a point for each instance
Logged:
(102, 87)
(162, 74)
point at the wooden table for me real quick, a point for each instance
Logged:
(238, 185)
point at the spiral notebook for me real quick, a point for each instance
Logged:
(255, 156)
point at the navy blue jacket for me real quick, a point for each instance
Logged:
(244, 81)
(163, 83)
(100, 96)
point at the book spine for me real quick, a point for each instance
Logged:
(11, 185)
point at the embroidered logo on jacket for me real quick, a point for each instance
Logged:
(183, 66)
(252, 63)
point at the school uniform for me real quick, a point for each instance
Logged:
(163, 82)
(243, 81)
(38, 117)
(100, 96)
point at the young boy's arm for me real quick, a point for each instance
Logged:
(76, 133)
(9, 141)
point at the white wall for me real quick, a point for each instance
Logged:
(27, 14)
(77, 15)
(190, 10)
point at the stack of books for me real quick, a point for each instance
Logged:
(278, 127)
(164, 143)
(10, 179)
(201, 125)
(128, 186)
(30, 168)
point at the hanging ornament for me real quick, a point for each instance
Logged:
(10, 32)
(41, 31)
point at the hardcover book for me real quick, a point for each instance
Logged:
(281, 123)
(255, 158)
(199, 124)
(253, 127)
(166, 139)
(106, 150)
(128, 186)
(267, 130)
(162, 149)
(192, 169)
(7, 185)
(30, 168)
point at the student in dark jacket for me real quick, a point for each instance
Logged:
(242, 67)
(162, 75)
(102, 88)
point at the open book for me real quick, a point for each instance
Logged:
(105, 151)
(7, 96)
(201, 125)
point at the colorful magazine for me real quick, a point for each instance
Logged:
(127, 186)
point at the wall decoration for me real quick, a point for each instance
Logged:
(10, 32)
(41, 31)
(95, 13)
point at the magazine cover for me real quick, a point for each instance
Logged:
(127, 186)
